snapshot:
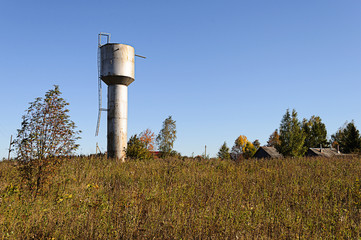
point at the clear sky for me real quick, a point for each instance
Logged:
(220, 68)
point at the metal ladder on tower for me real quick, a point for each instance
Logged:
(100, 109)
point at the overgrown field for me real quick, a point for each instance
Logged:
(95, 198)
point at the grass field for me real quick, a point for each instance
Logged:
(97, 198)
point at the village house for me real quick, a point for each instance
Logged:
(323, 152)
(267, 152)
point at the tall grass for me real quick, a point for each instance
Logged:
(97, 198)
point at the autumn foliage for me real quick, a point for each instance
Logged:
(242, 148)
(148, 138)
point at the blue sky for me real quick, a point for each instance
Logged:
(220, 68)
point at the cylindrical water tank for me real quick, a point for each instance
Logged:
(117, 64)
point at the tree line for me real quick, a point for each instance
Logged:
(47, 131)
(294, 138)
(47, 135)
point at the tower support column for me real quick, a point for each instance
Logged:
(117, 121)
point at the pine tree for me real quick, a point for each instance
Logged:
(223, 152)
(137, 149)
(348, 138)
(292, 137)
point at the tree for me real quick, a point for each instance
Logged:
(351, 139)
(249, 150)
(242, 148)
(315, 131)
(46, 129)
(292, 137)
(223, 152)
(137, 149)
(236, 153)
(348, 138)
(256, 144)
(238, 147)
(336, 138)
(147, 137)
(46, 133)
(274, 139)
(167, 137)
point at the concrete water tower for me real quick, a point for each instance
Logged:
(117, 71)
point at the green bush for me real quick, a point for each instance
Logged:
(137, 149)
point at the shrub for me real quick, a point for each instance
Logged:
(46, 134)
(137, 149)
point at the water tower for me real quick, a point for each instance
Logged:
(116, 69)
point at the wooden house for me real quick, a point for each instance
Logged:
(267, 152)
(323, 152)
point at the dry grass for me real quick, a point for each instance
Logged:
(93, 198)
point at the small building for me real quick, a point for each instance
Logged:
(323, 152)
(155, 154)
(267, 152)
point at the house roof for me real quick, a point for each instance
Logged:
(271, 151)
(324, 152)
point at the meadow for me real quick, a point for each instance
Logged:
(98, 198)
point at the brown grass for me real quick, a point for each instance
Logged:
(97, 198)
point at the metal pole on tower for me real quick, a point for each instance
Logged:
(11, 140)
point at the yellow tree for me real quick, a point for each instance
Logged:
(241, 142)
(242, 148)
(249, 150)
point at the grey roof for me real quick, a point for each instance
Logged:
(271, 151)
(323, 152)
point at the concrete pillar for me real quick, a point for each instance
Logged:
(117, 120)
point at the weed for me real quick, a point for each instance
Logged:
(99, 198)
